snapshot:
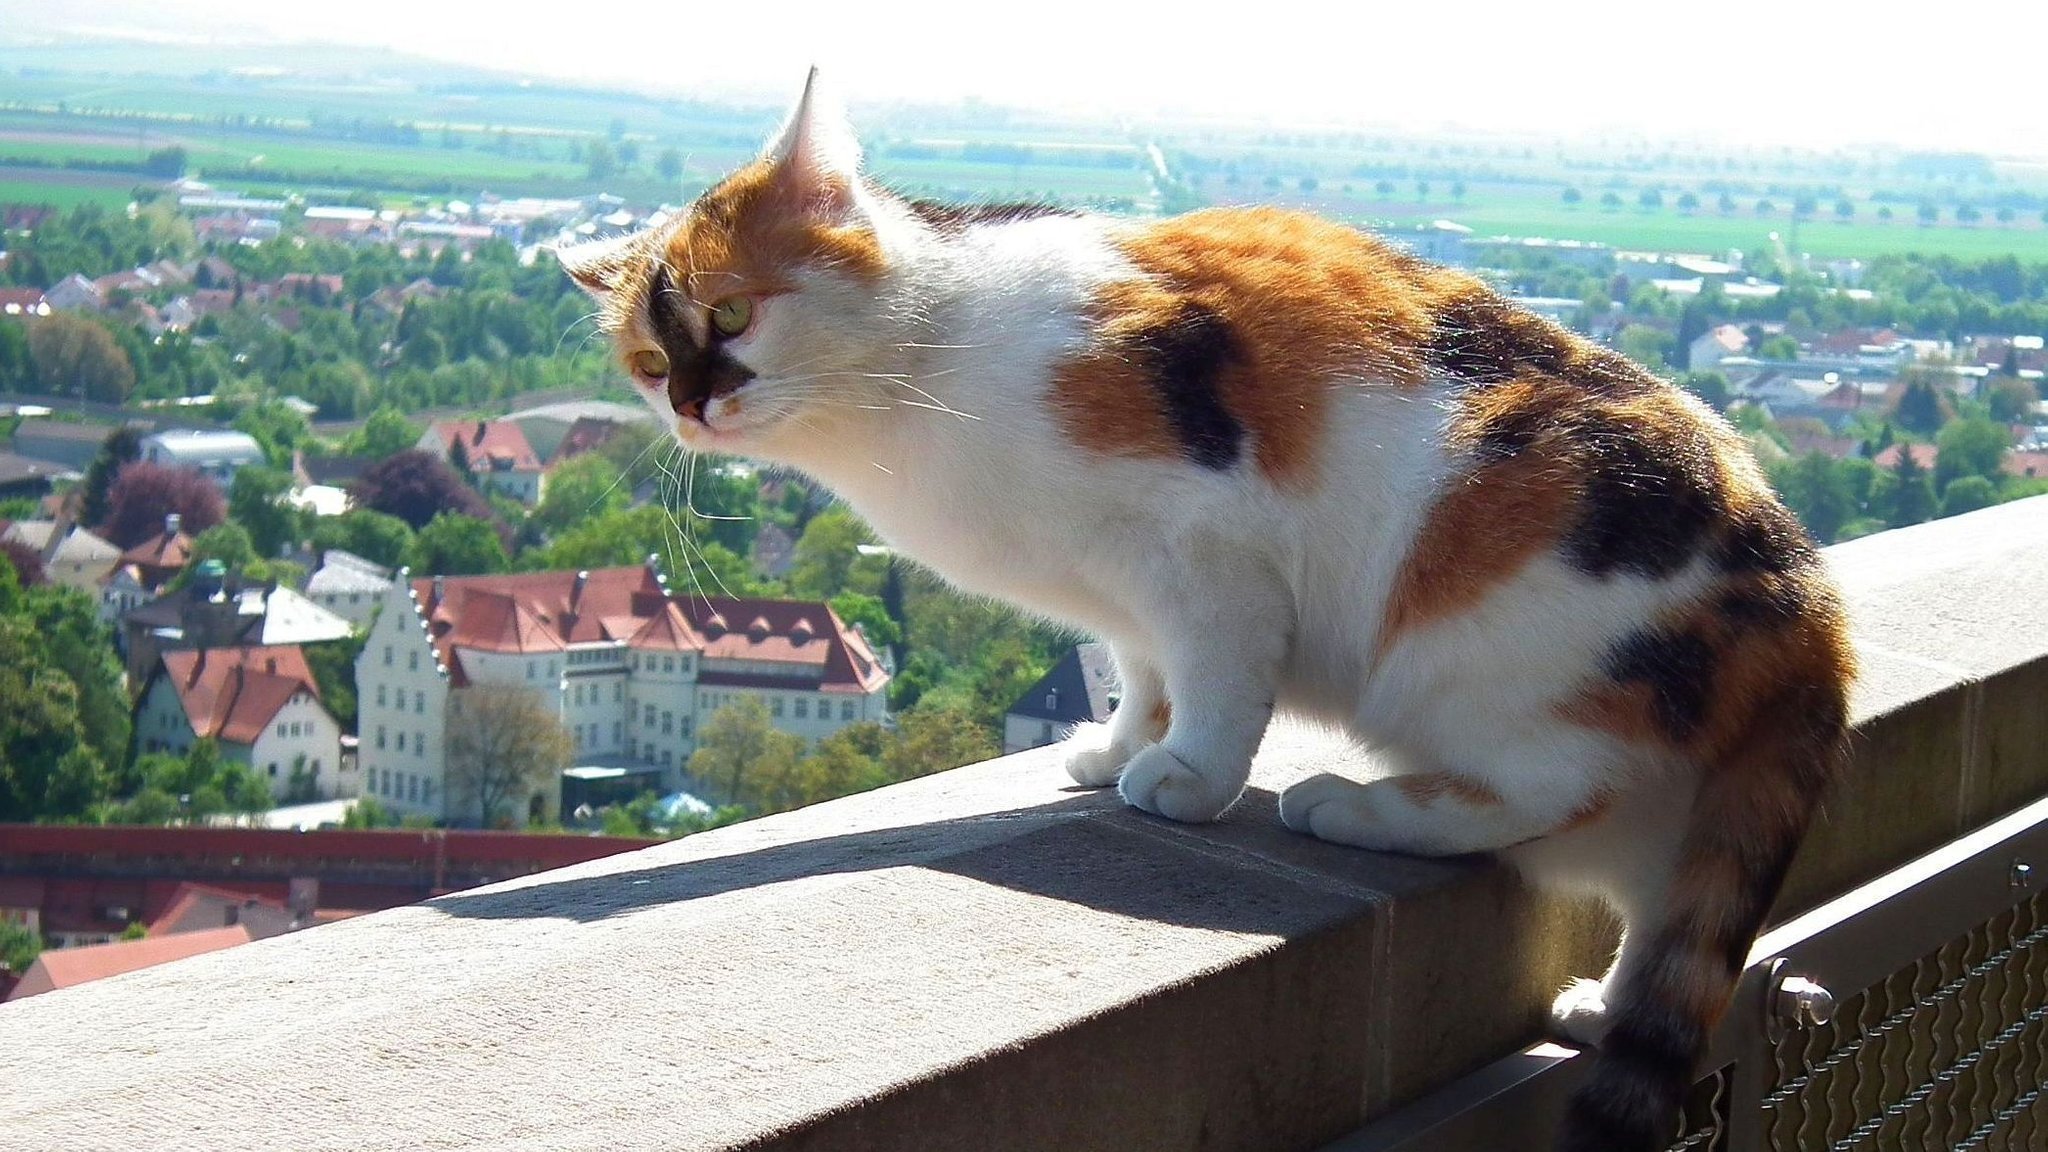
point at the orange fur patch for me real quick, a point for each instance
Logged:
(1429, 787)
(1305, 301)
(1162, 716)
(1485, 527)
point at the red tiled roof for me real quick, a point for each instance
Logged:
(70, 967)
(489, 440)
(547, 612)
(22, 298)
(2027, 464)
(586, 434)
(201, 907)
(231, 694)
(161, 551)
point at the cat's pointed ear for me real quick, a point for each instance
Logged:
(597, 266)
(816, 154)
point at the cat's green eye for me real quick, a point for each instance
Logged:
(650, 364)
(730, 316)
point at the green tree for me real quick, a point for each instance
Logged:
(1645, 345)
(1971, 447)
(334, 673)
(932, 738)
(370, 534)
(386, 433)
(1967, 494)
(740, 754)
(827, 558)
(599, 160)
(19, 946)
(580, 489)
(504, 746)
(869, 613)
(123, 446)
(75, 356)
(1818, 494)
(259, 499)
(456, 545)
(2012, 401)
(277, 427)
(74, 646)
(1711, 387)
(225, 542)
(1912, 491)
(1779, 347)
(1919, 407)
(1572, 197)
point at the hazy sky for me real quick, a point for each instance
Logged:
(1962, 73)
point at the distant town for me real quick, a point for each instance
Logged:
(316, 512)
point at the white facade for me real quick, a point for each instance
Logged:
(617, 702)
(300, 737)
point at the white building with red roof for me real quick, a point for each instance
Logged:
(261, 705)
(496, 451)
(632, 670)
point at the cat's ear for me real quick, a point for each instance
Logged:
(597, 266)
(816, 155)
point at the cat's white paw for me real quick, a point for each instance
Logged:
(1333, 808)
(1092, 758)
(1164, 785)
(1579, 1014)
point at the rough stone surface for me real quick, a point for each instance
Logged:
(983, 959)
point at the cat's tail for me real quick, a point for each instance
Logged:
(1753, 805)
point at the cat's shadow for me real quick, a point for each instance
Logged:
(1244, 873)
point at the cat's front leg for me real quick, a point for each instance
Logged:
(1096, 753)
(1223, 631)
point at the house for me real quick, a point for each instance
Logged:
(587, 434)
(71, 555)
(215, 610)
(217, 453)
(18, 303)
(349, 586)
(25, 476)
(632, 670)
(1715, 345)
(61, 442)
(74, 293)
(161, 557)
(69, 967)
(1079, 689)
(203, 908)
(495, 451)
(328, 471)
(548, 426)
(262, 707)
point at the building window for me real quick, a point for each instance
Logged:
(399, 740)
(775, 707)
(426, 791)
(316, 769)
(576, 695)
(529, 669)
(419, 745)
(618, 731)
(686, 725)
(419, 703)
(273, 770)
(380, 735)
(387, 655)
(412, 660)
(668, 723)
(846, 709)
(1045, 733)
(280, 731)
(803, 708)
(633, 746)
(648, 717)
(686, 665)
(412, 787)
(668, 664)
(380, 696)
(618, 693)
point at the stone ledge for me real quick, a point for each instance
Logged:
(981, 959)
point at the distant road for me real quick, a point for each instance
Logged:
(111, 413)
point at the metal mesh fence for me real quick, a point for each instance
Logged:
(1704, 1127)
(1948, 1052)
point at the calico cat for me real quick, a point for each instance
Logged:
(1273, 463)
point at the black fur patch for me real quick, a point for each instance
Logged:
(1481, 338)
(1679, 668)
(1186, 357)
(1768, 539)
(959, 217)
(695, 374)
(1647, 510)
(1769, 603)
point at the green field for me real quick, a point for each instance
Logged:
(64, 189)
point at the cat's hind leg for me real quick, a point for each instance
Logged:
(1096, 753)
(1440, 810)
